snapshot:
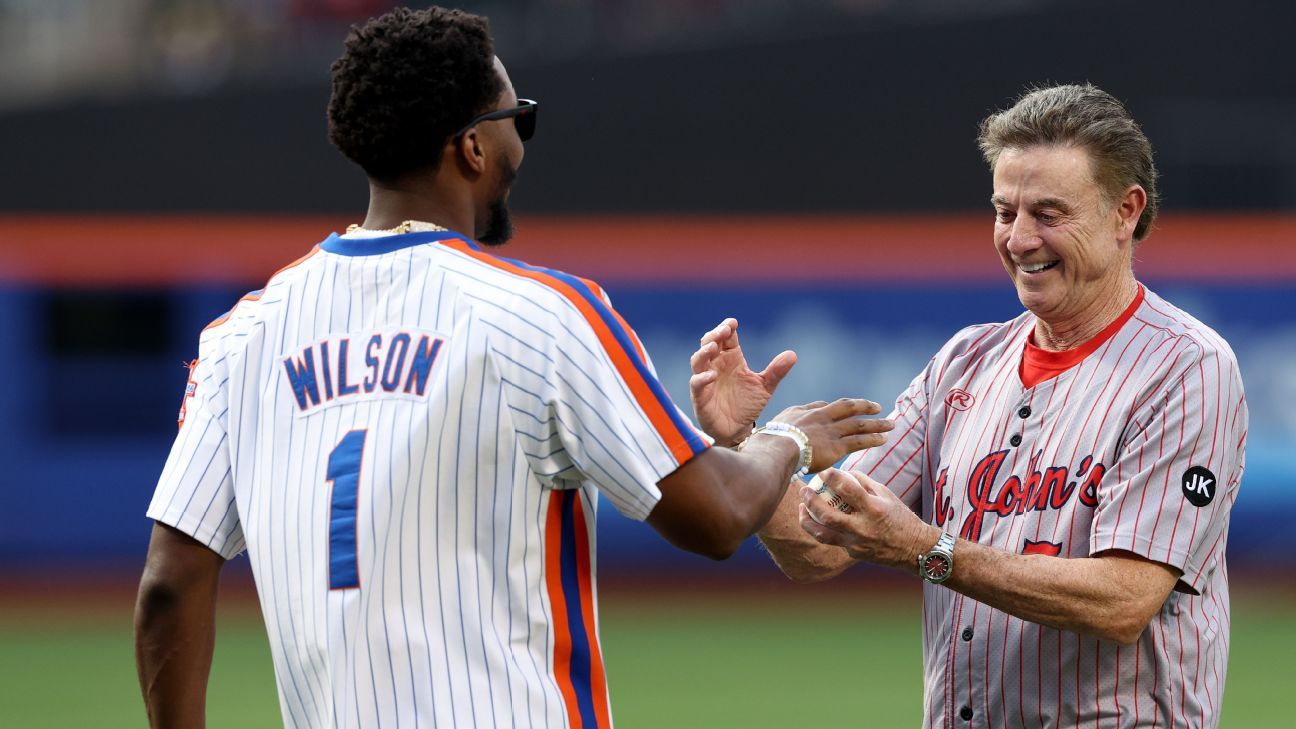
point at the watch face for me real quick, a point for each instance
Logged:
(936, 566)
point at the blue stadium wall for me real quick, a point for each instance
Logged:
(95, 328)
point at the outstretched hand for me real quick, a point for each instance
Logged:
(727, 395)
(837, 429)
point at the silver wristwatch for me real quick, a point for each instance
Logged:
(938, 564)
(796, 435)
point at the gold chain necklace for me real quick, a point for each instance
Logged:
(408, 226)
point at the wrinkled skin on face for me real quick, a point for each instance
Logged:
(1067, 249)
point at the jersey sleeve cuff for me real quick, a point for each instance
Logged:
(228, 546)
(1174, 556)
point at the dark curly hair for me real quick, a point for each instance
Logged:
(406, 81)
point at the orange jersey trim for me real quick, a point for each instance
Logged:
(683, 444)
(256, 295)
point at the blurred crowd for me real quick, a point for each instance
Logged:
(52, 50)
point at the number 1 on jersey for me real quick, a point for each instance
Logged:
(343, 472)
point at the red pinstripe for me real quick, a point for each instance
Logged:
(1121, 509)
(1165, 488)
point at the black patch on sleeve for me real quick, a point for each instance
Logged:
(1199, 486)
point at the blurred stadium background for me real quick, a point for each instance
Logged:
(807, 166)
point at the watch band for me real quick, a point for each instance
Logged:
(937, 565)
(798, 436)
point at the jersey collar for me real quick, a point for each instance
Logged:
(388, 243)
(1039, 365)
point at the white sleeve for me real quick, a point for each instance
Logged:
(195, 493)
(587, 404)
(1168, 496)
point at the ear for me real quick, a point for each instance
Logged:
(469, 152)
(1129, 208)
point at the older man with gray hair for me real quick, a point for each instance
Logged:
(1061, 481)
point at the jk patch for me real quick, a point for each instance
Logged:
(1199, 486)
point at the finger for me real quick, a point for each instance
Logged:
(858, 425)
(698, 383)
(848, 407)
(730, 341)
(821, 533)
(876, 489)
(721, 331)
(701, 359)
(821, 511)
(854, 443)
(845, 486)
(777, 369)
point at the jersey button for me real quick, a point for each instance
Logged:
(965, 713)
(1024, 412)
(967, 634)
(1015, 440)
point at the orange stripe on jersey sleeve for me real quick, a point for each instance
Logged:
(255, 295)
(600, 293)
(675, 437)
(558, 606)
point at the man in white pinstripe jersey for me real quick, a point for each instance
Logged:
(408, 435)
(1061, 481)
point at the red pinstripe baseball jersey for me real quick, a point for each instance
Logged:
(1137, 446)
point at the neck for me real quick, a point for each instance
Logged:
(1069, 332)
(390, 204)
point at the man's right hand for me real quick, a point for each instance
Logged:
(837, 429)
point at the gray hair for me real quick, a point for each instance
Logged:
(1084, 116)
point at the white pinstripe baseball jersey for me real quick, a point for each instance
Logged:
(408, 435)
(1136, 443)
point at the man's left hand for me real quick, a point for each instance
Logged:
(727, 395)
(879, 528)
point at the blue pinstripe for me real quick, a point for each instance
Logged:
(368, 407)
(283, 646)
(481, 394)
(508, 543)
(418, 533)
(458, 474)
(445, 638)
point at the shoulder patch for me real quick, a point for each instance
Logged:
(1199, 486)
(191, 387)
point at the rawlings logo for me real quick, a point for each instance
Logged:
(1050, 488)
(959, 399)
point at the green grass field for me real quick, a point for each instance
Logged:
(738, 660)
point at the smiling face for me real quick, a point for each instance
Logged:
(1066, 248)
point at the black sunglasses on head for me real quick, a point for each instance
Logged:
(524, 118)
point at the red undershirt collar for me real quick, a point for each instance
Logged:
(1040, 365)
